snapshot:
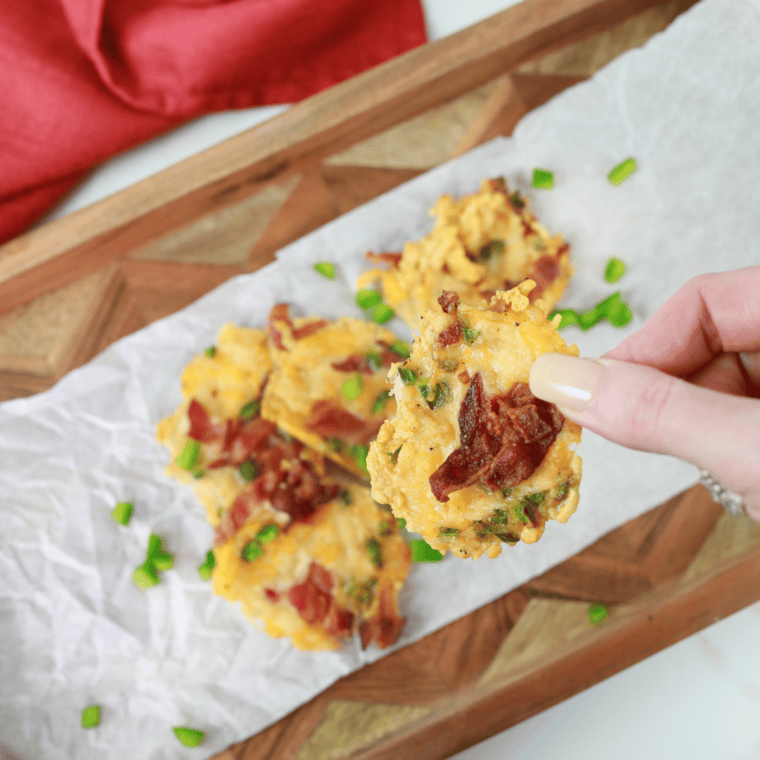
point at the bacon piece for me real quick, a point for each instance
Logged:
(449, 300)
(502, 440)
(234, 518)
(280, 313)
(201, 427)
(355, 363)
(272, 595)
(339, 621)
(464, 377)
(387, 257)
(451, 334)
(544, 272)
(527, 229)
(309, 329)
(329, 420)
(384, 627)
(311, 598)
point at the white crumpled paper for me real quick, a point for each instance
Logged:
(74, 628)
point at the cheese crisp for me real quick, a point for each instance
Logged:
(480, 243)
(472, 459)
(329, 384)
(320, 580)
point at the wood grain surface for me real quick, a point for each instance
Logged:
(71, 288)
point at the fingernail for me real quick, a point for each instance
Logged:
(567, 381)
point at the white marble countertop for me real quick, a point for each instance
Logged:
(697, 699)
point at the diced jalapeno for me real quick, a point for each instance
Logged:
(408, 376)
(423, 552)
(382, 313)
(268, 533)
(597, 613)
(123, 512)
(615, 270)
(248, 470)
(210, 352)
(368, 298)
(378, 405)
(207, 567)
(542, 179)
(252, 551)
(375, 555)
(91, 716)
(190, 737)
(352, 388)
(622, 171)
(250, 410)
(326, 269)
(401, 348)
(189, 454)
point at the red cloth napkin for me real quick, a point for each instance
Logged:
(83, 80)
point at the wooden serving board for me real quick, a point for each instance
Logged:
(70, 288)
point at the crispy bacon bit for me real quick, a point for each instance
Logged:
(387, 257)
(487, 295)
(388, 355)
(449, 301)
(502, 440)
(544, 272)
(316, 605)
(328, 420)
(272, 595)
(309, 329)
(201, 427)
(527, 229)
(280, 313)
(234, 518)
(451, 334)
(384, 627)
(464, 377)
(355, 363)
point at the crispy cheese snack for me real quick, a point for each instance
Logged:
(472, 459)
(320, 579)
(329, 384)
(480, 243)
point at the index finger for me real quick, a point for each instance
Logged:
(710, 315)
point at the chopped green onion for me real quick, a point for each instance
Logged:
(345, 496)
(252, 551)
(448, 532)
(248, 470)
(145, 576)
(615, 270)
(359, 452)
(268, 533)
(198, 474)
(535, 498)
(448, 364)
(401, 523)
(352, 388)
(190, 737)
(162, 560)
(189, 454)
(516, 200)
(335, 444)
(542, 179)
(423, 552)
(123, 512)
(91, 716)
(326, 269)
(210, 352)
(440, 395)
(408, 376)
(520, 512)
(393, 455)
(597, 613)
(562, 491)
(401, 348)
(568, 317)
(506, 492)
(250, 410)
(622, 171)
(375, 360)
(368, 298)
(499, 516)
(379, 403)
(207, 567)
(488, 250)
(470, 335)
(375, 554)
(382, 313)
(385, 528)
(505, 535)
(615, 310)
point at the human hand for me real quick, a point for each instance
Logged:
(686, 384)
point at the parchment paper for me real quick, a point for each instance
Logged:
(74, 628)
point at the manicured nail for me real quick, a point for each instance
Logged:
(565, 380)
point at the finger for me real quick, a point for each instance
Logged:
(710, 315)
(723, 374)
(643, 408)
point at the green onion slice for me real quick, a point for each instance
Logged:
(488, 250)
(359, 452)
(622, 171)
(447, 532)
(375, 360)
(210, 352)
(423, 552)
(499, 516)
(615, 270)
(401, 523)
(190, 737)
(335, 444)
(326, 269)
(613, 308)
(378, 405)
(382, 313)
(401, 348)
(248, 470)
(162, 560)
(562, 491)
(345, 496)
(145, 576)
(207, 567)
(375, 554)
(352, 388)
(189, 454)
(250, 410)
(597, 613)
(91, 716)
(393, 455)
(368, 298)
(268, 533)
(123, 512)
(252, 551)
(408, 376)
(535, 498)
(516, 200)
(470, 335)
(542, 179)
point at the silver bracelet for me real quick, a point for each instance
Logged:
(733, 503)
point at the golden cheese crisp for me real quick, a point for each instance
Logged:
(472, 459)
(329, 384)
(319, 579)
(480, 243)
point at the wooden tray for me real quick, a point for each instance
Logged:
(72, 287)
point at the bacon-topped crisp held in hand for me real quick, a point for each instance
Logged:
(481, 243)
(329, 384)
(471, 458)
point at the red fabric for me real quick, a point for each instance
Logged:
(86, 79)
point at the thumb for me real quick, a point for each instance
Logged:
(643, 408)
